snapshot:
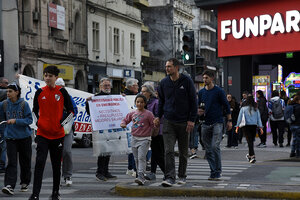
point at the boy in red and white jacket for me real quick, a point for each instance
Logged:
(48, 106)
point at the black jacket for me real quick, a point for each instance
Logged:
(177, 99)
(263, 109)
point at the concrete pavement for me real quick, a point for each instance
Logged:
(273, 176)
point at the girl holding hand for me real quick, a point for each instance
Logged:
(142, 129)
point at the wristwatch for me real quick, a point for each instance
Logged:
(229, 120)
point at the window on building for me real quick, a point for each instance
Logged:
(96, 36)
(26, 15)
(116, 41)
(53, 31)
(122, 41)
(132, 45)
(110, 39)
(78, 35)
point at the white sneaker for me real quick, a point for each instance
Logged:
(68, 181)
(8, 190)
(131, 172)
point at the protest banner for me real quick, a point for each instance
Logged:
(107, 111)
(105, 142)
(82, 120)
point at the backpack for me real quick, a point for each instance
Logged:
(277, 110)
(289, 115)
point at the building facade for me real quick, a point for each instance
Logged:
(114, 44)
(53, 32)
(9, 42)
(167, 21)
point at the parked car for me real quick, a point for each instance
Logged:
(84, 140)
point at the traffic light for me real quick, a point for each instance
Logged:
(188, 47)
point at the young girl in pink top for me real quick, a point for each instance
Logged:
(141, 131)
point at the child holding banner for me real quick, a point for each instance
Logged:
(142, 130)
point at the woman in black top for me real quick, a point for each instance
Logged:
(263, 110)
(232, 138)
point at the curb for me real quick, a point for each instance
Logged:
(145, 191)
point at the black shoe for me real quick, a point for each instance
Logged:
(292, 154)
(281, 145)
(148, 168)
(288, 144)
(101, 177)
(109, 175)
(55, 196)
(2, 170)
(34, 197)
(8, 190)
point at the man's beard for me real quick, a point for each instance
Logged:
(107, 91)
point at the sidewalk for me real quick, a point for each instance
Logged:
(273, 176)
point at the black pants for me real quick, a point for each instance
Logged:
(250, 132)
(55, 148)
(102, 163)
(24, 148)
(263, 137)
(289, 133)
(158, 153)
(277, 125)
(232, 138)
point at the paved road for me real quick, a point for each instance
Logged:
(273, 171)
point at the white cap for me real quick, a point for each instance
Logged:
(60, 82)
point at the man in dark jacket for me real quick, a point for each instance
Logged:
(102, 173)
(177, 102)
(212, 100)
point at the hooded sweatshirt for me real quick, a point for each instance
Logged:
(21, 128)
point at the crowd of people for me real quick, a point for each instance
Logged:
(171, 113)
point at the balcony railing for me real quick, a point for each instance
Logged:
(208, 25)
(208, 45)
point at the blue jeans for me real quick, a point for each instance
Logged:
(212, 137)
(296, 139)
(194, 138)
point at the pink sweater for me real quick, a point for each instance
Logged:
(142, 122)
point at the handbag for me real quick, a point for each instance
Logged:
(243, 121)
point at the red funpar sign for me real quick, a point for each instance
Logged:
(258, 27)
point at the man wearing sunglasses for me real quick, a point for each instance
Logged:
(3, 96)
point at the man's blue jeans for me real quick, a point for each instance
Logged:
(296, 139)
(212, 137)
(194, 138)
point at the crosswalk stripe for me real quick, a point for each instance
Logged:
(197, 173)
